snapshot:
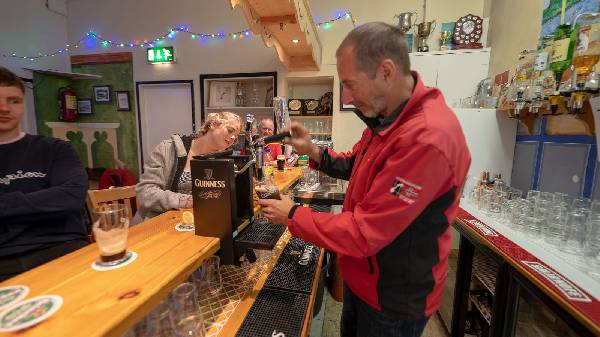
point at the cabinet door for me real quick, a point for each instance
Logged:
(459, 74)
(426, 66)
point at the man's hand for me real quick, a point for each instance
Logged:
(276, 210)
(302, 142)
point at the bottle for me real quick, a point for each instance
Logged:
(563, 48)
(587, 51)
(267, 162)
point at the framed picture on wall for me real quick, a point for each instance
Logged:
(85, 106)
(102, 94)
(123, 103)
(222, 94)
(345, 107)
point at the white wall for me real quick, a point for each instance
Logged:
(130, 19)
(28, 27)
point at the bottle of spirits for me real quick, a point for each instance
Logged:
(587, 51)
(563, 48)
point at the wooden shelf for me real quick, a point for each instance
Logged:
(310, 117)
(240, 108)
(527, 119)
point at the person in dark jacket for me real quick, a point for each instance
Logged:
(42, 190)
(393, 236)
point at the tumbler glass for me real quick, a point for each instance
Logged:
(574, 233)
(187, 314)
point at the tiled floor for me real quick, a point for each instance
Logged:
(327, 322)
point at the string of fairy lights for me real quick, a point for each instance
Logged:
(160, 39)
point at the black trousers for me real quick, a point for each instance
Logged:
(16, 264)
(361, 320)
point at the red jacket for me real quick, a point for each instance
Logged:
(393, 236)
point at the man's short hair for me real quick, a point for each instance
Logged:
(9, 79)
(374, 42)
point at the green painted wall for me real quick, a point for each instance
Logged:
(120, 77)
(45, 97)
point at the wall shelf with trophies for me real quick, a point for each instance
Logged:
(310, 102)
(241, 93)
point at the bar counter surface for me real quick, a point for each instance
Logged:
(107, 303)
(572, 290)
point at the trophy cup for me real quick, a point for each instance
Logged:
(405, 20)
(445, 38)
(424, 29)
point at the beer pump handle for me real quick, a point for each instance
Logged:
(276, 138)
(259, 162)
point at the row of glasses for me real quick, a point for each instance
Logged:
(570, 224)
(180, 314)
(318, 126)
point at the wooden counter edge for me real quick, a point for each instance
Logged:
(313, 294)
(545, 289)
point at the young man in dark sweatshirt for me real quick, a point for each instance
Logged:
(42, 190)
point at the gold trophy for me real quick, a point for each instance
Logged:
(424, 29)
(445, 37)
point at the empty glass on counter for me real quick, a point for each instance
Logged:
(209, 277)
(187, 314)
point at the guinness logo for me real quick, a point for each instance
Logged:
(208, 174)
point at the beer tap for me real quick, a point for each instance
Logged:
(260, 145)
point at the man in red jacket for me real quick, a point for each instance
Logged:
(406, 172)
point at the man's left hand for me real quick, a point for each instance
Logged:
(277, 210)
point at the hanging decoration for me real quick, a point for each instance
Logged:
(158, 40)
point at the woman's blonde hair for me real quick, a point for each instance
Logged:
(215, 119)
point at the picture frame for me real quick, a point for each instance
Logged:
(222, 94)
(345, 107)
(123, 102)
(85, 106)
(269, 97)
(102, 94)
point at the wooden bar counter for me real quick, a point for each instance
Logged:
(107, 303)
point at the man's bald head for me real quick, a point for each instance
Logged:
(266, 127)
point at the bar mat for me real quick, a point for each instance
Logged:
(320, 208)
(295, 268)
(261, 234)
(275, 313)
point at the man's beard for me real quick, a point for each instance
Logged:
(379, 106)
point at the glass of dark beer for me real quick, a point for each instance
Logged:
(280, 162)
(110, 228)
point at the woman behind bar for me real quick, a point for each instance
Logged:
(167, 180)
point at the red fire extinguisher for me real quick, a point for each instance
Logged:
(67, 102)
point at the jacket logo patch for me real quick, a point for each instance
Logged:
(405, 190)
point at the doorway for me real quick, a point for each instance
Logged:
(164, 108)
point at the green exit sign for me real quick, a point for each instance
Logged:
(161, 55)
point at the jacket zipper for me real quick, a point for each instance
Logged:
(371, 269)
(362, 156)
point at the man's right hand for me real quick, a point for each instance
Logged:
(302, 142)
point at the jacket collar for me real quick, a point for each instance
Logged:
(381, 126)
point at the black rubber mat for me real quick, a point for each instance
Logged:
(261, 234)
(320, 208)
(295, 268)
(275, 313)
